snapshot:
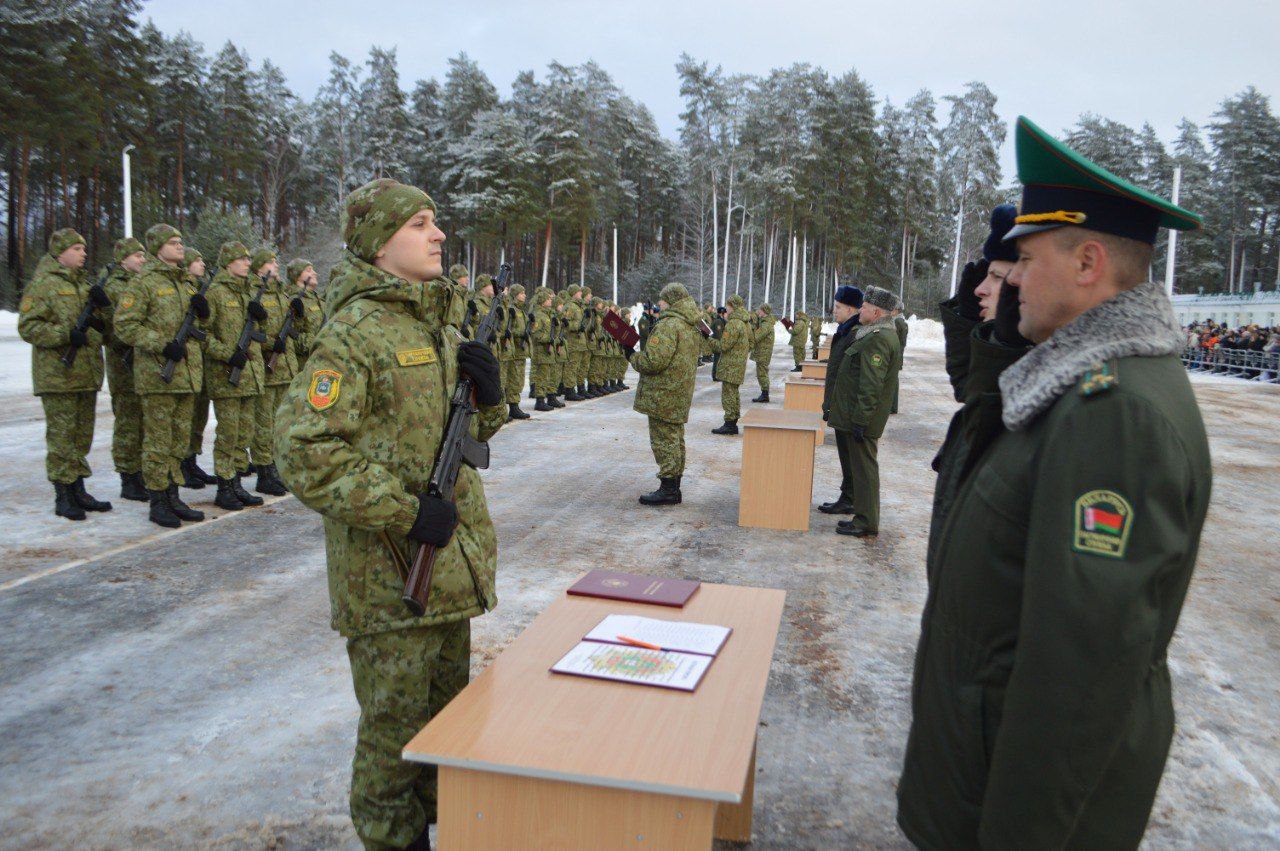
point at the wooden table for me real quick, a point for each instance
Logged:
(804, 394)
(776, 485)
(824, 352)
(813, 369)
(532, 759)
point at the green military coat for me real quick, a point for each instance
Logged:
(669, 364)
(762, 338)
(48, 311)
(866, 380)
(733, 346)
(147, 318)
(356, 439)
(229, 298)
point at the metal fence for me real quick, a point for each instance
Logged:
(1252, 366)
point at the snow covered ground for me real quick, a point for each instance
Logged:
(183, 689)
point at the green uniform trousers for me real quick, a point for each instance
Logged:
(126, 433)
(731, 401)
(513, 379)
(797, 352)
(667, 441)
(860, 478)
(166, 421)
(199, 419)
(68, 434)
(762, 375)
(232, 436)
(560, 375)
(402, 678)
(264, 423)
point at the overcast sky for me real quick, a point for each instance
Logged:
(1130, 60)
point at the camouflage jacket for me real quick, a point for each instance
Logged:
(515, 321)
(50, 305)
(575, 337)
(478, 305)
(276, 300)
(147, 317)
(669, 364)
(762, 338)
(115, 286)
(815, 330)
(312, 320)
(543, 334)
(356, 439)
(733, 346)
(799, 331)
(228, 305)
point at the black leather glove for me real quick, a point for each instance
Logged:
(278, 345)
(295, 304)
(1008, 313)
(859, 433)
(257, 311)
(200, 305)
(437, 518)
(966, 297)
(174, 352)
(95, 322)
(477, 362)
(629, 350)
(79, 338)
(98, 296)
(238, 359)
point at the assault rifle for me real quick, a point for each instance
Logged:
(249, 333)
(186, 331)
(286, 331)
(97, 298)
(458, 446)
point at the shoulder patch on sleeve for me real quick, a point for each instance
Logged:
(1103, 520)
(26, 304)
(323, 392)
(126, 300)
(1098, 379)
(876, 358)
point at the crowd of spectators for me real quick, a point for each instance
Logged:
(1251, 351)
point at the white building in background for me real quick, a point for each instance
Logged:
(1231, 309)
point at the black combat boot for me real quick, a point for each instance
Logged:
(622, 385)
(840, 506)
(253, 468)
(226, 497)
(571, 395)
(87, 502)
(268, 482)
(190, 478)
(208, 478)
(514, 412)
(131, 487)
(161, 514)
(668, 493)
(542, 405)
(180, 508)
(243, 495)
(796, 368)
(729, 427)
(64, 502)
(763, 397)
(553, 401)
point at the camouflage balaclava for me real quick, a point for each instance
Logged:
(189, 256)
(295, 269)
(62, 239)
(125, 246)
(262, 255)
(231, 251)
(673, 293)
(458, 271)
(373, 213)
(157, 235)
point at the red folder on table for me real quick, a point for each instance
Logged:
(634, 588)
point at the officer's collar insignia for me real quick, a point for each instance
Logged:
(323, 391)
(1099, 379)
(1103, 520)
(414, 357)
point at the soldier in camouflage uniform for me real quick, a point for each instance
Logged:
(357, 440)
(575, 345)
(732, 348)
(799, 331)
(279, 301)
(47, 317)
(620, 372)
(193, 476)
(762, 348)
(562, 351)
(126, 407)
(302, 274)
(479, 301)
(515, 349)
(230, 301)
(542, 354)
(815, 335)
(459, 275)
(667, 367)
(147, 318)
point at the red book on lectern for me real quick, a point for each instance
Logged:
(633, 588)
(617, 328)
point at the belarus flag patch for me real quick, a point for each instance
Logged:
(1102, 523)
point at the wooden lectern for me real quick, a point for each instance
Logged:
(804, 394)
(813, 369)
(776, 487)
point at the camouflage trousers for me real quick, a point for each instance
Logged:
(667, 441)
(402, 679)
(731, 401)
(762, 374)
(199, 419)
(860, 478)
(797, 352)
(576, 369)
(126, 407)
(232, 435)
(598, 369)
(68, 434)
(513, 379)
(166, 422)
(264, 423)
(815, 349)
(541, 376)
(561, 376)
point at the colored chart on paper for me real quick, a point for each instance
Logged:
(634, 665)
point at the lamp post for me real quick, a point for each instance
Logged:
(127, 189)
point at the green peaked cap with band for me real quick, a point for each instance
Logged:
(1061, 188)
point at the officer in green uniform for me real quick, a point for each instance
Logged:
(846, 304)
(762, 348)
(731, 349)
(668, 367)
(799, 333)
(280, 364)
(302, 275)
(357, 439)
(47, 316)
(515, 348)
(863, 387)
(815, 335)
(147, 318)
(126, 407)
(193, 476)
(1041, 709)
(230, 301)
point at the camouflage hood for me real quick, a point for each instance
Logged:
(353, 278)
(683, 308)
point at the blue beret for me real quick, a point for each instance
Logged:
(852, 296)
(995, 248)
